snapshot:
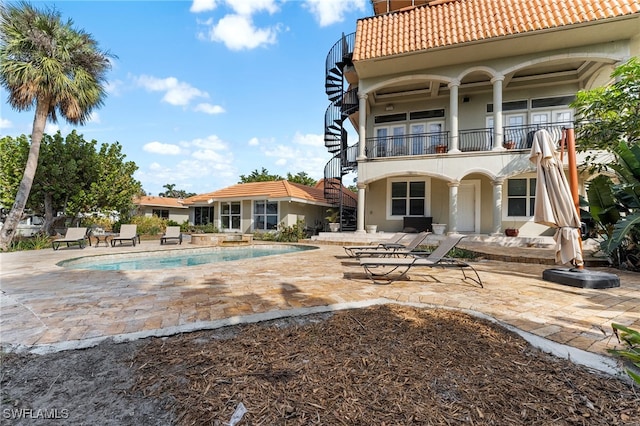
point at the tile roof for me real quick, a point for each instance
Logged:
(267, 190)
(450, 22)
(160, 202)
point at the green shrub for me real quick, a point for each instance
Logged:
(149, 225)
(97, 222)
(631, 354)
(290, 234)
(38, 241)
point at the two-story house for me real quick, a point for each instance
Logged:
(445, 95)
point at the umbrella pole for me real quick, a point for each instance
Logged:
(573, 178)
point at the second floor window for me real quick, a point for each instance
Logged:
(521, 195)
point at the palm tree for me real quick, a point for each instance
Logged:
(48, 64)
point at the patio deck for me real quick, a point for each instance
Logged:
(44, 307)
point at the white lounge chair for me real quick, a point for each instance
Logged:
(128, 232)
(395, 249)
(72, 236)
(394, 239)
(171, 234)
(385, 270)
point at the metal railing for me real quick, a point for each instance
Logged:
(416, 144)
(521, 137)
(471, 140)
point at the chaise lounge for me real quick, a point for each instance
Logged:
(394, 239)
(395, 249)
(128, 232)
(171, 234)
(386, 270)
(72, 236)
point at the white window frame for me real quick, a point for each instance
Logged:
(392, 130)
(427, 196)
(529, 196)
(230, 215)
(254, 215)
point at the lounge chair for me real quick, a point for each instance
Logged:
(380, 270)
(171, 234)
(394, 239)
(128, 232)
(395, 249)
(72, 236)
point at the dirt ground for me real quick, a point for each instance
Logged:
(386, 365)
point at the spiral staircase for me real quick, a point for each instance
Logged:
(343, 103)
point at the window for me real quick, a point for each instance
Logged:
(162, 214)
(231, 215)
(521, 197)
(408, 198)
(265, 215)
(203, 215)
(390, 141)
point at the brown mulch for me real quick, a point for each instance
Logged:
(387, 365)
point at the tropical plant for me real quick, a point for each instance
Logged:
(607, 115)
(53, 66)
(632, 353)
(259, 176)
(333, 215)
(302, 178)
(615, 207)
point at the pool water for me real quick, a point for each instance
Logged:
(176, 258)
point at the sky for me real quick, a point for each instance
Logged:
(201, 92)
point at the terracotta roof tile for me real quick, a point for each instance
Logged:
(160, 202)
(268, 190)
(452, 22)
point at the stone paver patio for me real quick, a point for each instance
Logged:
(45, 307)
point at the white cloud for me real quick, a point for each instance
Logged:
(94, 118)
(306, 153)
(249, 7)
(5, 124)
(209, 109)
(161, 148)
(202, 5)
(254, 142)
(208, 164)
(329, 12)
(237, 32)
(175, 92)
(308, 139)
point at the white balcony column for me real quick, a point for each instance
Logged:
(453, 207)
(453, 115)
(360, 211)
(497, 112)
(497, 206)
(362, 126)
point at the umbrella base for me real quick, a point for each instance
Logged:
(582, 278)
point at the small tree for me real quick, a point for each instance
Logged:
(259, 176)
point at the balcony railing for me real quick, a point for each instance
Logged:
(472, 140)
(522, 136)
(416, 144)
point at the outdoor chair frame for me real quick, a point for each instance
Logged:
(389, 269)
(128, 232)
(393, 240)
(72, 236)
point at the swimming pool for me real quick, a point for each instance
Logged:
(166, 259)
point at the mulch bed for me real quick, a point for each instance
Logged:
(387, 365)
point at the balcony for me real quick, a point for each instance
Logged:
(471, 140)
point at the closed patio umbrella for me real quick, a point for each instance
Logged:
(554, 203)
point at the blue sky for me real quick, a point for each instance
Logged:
(204, 91)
